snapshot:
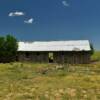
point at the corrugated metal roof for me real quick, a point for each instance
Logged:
(75, 45)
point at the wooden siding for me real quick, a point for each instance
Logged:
(33, 57)
(58, 57)
(72, 57)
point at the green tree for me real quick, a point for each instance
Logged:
(11, 48)
(2, 49)
(92, 49)
(8, 48)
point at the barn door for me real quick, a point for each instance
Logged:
(51, 57)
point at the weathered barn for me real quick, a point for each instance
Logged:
(71, 52)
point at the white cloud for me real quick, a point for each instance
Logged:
(29, 21)
(65, 3)
(12, 14)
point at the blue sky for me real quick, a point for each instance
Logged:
(31, 20)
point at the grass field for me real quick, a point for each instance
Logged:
(28, 81)
(96, 55)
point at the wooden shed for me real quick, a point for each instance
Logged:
(71, 52)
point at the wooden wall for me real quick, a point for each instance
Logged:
(72, 57)
(58, 57)
(33, 56)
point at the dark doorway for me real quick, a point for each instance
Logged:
(27, 54)
(51, 59)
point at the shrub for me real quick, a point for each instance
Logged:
(8, 48)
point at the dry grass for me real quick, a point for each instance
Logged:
(27, 81)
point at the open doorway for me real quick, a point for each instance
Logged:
(51, 58)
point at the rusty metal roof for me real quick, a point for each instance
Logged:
(74, 45)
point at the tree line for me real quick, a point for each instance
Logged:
(8, 48)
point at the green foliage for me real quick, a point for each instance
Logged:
(8, 48)
(2, 48)
(92, 49)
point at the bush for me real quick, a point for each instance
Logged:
(92, 49)
(8, 48)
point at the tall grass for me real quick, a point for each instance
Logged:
(26, 81)
(96, 56)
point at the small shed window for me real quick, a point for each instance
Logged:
(27, 54)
